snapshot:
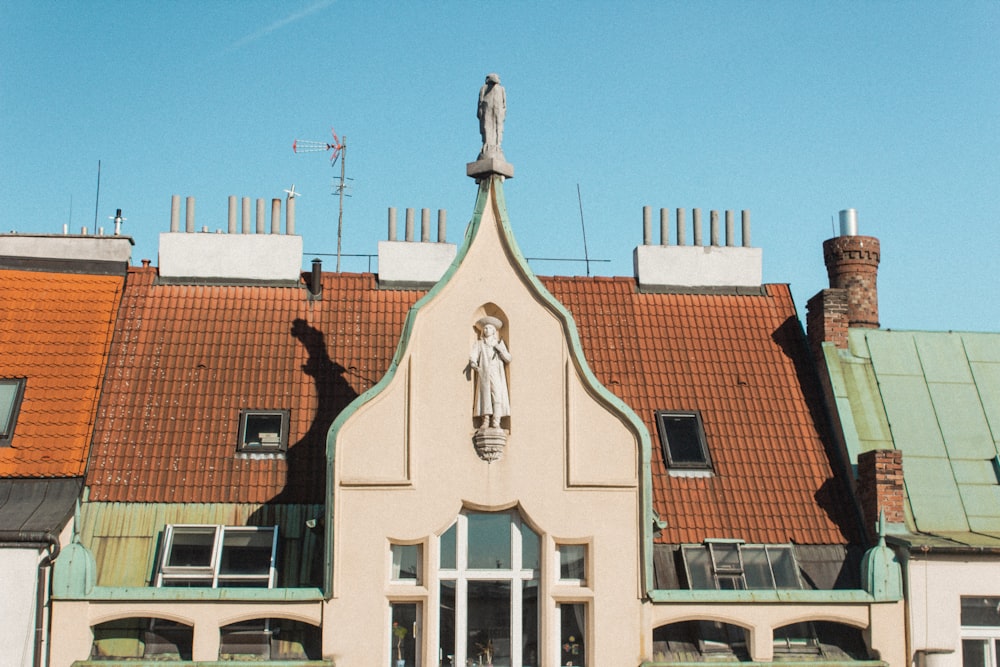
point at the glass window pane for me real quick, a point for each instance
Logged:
(246, 552)
(403, 635)
(192, 547)
(572, 622)
(572, 563)
(405, 561)
(683, 439)
(448, 548)
(529, 623)
(8, 396)
(699, 568)
(975, 653)
(756, 568)
(727, 557)
(262, 430)
(784, 567)
(446, 628)
(981, 611)
(489, 622)
(489, 541)
(530, 548)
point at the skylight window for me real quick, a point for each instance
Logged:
(11, 393)
(732, 565)
(207, 556)
(263, 431)
(682, 438)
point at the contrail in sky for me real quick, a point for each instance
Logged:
(291, 18)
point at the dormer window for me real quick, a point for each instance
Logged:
(682, 438)
(263, 431)
(11, 393)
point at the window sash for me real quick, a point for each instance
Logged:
(257, 431)
(11, 394)
(239, 556)
(738, 566)
(682, 439)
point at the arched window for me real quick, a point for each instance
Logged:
(489, 574)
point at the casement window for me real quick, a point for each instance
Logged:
(208, 556)
(406, 564)
(573, 564)
(732, 565)
(682, 438)
(980, 631)
(263, 431)
(11, 393)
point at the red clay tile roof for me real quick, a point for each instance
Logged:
(743, 362)
(187, 358)
(55, 330)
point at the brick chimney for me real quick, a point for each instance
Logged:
(852, 264)
(852, 298)
(880, 488)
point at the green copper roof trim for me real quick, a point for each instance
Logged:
(153, 594)
(569, 325)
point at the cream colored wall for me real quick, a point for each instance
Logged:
(882, 622)
(935, 589)
(406, 466)
(73, 620)
(18, 581)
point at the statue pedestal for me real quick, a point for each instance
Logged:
(489, 443)
(487, 166)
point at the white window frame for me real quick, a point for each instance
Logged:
(569, 581)
(987, 633)
(394, 578)
(210, 574)
(461, 575)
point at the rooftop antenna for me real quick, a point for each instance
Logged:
(339, 150)
(97, 204)
(586, 256)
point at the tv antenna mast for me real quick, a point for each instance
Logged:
(338, 150)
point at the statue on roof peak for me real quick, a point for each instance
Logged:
(491, 112)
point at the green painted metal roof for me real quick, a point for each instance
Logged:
(936, 397)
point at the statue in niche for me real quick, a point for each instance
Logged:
(491, 112)
(488, 358)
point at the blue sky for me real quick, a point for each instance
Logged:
(792, 110)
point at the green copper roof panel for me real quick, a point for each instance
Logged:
(981, 503)
(942, 357)
(960, 416)
(869, 415)
(974, 471)
(910, 410)
(941, 395)
(892, 354)
(987, 376)
(934, 495)
(982, 347)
